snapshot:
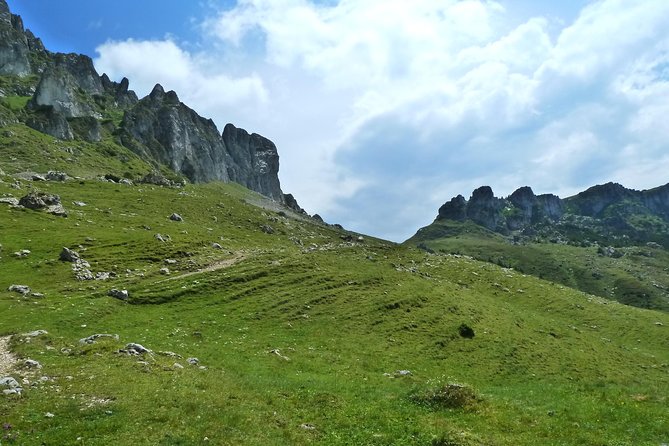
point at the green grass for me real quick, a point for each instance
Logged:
(639, 278)
(298, 333)
(23, 149)
(15, 103)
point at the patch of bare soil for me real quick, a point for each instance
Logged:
(227, 263)
(7, 360)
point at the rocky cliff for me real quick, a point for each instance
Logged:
(521, 209)
(70, 100)
(607, 213)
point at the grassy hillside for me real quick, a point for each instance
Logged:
(636, 275)
(300, 334)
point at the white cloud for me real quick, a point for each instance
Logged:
(380, 107)
(146, 63)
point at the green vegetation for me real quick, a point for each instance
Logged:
(636, 275)
(300, 334)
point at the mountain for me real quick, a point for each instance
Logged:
(140, 309)
(608, 240)
(66, 98)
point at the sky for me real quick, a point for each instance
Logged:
(382, 110)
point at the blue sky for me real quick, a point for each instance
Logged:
(382, 110)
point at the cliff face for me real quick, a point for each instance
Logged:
(165, 129)
(605, 212)
(254, 161)
(14, 49)
(71, 100)
(521, 209)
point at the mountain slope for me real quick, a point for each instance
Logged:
(608, 240)
(296, 328)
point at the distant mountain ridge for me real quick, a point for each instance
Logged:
(70, 100)
(601, 212)
(608, 240)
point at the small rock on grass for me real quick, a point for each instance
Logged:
(119, 294)
(92, 339)
(21, 289)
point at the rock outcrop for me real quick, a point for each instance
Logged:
(163, 128)
(72, 87)
(14, 49)
(604, 213)
(255, 161)
(521, 209)
(70, 100)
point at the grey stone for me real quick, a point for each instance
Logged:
(119, 294)
(176, 217)
(10, 201)
(193, 361)
(10, 386)
(136, 349)
(56, 176)
(35, 334)
(68, 255)
(21, 289)
(32, 364)
(92, 339)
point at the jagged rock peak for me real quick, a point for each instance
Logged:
(482, 193)
(157, 92)
(521, 209)
(455, 209)
(5, 14)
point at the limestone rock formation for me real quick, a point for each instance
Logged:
(163, 128)
(255, 161)
(70, 100)
(604, 212)
(14, 49)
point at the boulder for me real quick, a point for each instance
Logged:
(67, 255)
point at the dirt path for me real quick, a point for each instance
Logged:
(7, 360)
(213, 267)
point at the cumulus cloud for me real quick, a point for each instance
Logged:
(384, 109)
(146, 63)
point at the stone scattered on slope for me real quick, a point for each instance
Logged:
(22, 253)
(12, 201)
(53, 175)
(92, 339)
(21, 289)
(176, 217)
(68, 255)
(43, 201)
(10, 386)
(119, 294)
(163, 238)
(34, 334)
(32, 364)
(135, 349)
(193, 361)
